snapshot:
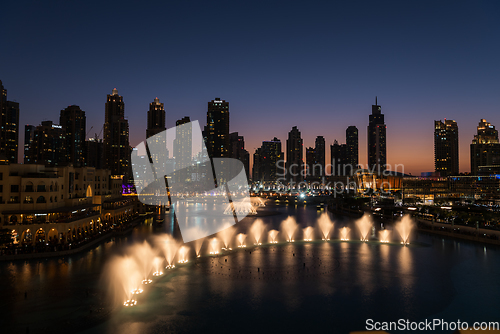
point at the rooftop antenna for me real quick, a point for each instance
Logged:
(376, 101)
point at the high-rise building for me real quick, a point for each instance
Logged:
(217, 130)
(446, 147)
(319, 158)
(116, 136)
(377, 154)
(156, 118)
(310, 163)
(9, 128)
(94, 153)
(339, 158)
(73, 121)
(29, 135)
(48, 146)
(256, 169)
(485, 147)
(294, 156)
(351, 138)
(237, 150)
(266, 161)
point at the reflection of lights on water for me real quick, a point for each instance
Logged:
(344, 239)
(170, 266)
(146, 281)
(183, 261)
(258, 243)
(291, 240)
(308, 239)
(273, 242)
(158, 273)
(405, 243)
(130, 302)
(136, 291)
(242, 246)
(326, 239)
(384, 241)
(213, 253)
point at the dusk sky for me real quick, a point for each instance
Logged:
(317, 65)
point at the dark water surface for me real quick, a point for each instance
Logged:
(300, 287)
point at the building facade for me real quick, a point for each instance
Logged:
(446, 147)
(294, 156)
(9, 128)
(217, 130)
(73, 121)
(485, 147)
(116, 147)
(377, 150)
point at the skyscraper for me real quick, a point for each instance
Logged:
(156, 118)
(237, 150)
(485, 147)
(266, 160)
(73, 121)
(116, 136)
(48, 146)
(29, 135)
(352, 157)
(183, 149)
(338, 154)
(218, 128)
(377, 155)
(446, 147)
(294, 156)
(9, 128)
(319, 157)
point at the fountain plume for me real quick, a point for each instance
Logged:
(308, 233)
(325, 225)
(272, 236)
(344, 233)
(288, 226)
(182, 254)
(226, 235)
(404, 227)
(241, 240)
(364, 225)
(257, 230)
(214, 246)
(384, 236)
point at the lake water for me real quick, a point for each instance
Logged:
(298, 287)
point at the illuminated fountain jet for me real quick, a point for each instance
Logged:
(157, 265)
(183, 254)
(364, 225)
(404, 228)
(384, 236)
(168, 246)
(272, 237)
(344, 233)
(226, 235)
(257, 201)
(242, 207)
(241, 240)
(214, 246)
(288, 226)
(325, 225)
(257, 231)
(308, 233)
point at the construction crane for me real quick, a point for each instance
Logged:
(87, 135)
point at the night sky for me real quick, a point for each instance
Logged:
(317, 65)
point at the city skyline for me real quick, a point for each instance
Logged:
(319, 65)
(464, 143)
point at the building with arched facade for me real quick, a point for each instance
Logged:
(59, 205)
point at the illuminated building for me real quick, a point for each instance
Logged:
(116, 136)
(217, 130)
(485, 147)
(294, 156)
(9, 128)
(73, 121)
(446, 147)
(48, 146)
(377, 153)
